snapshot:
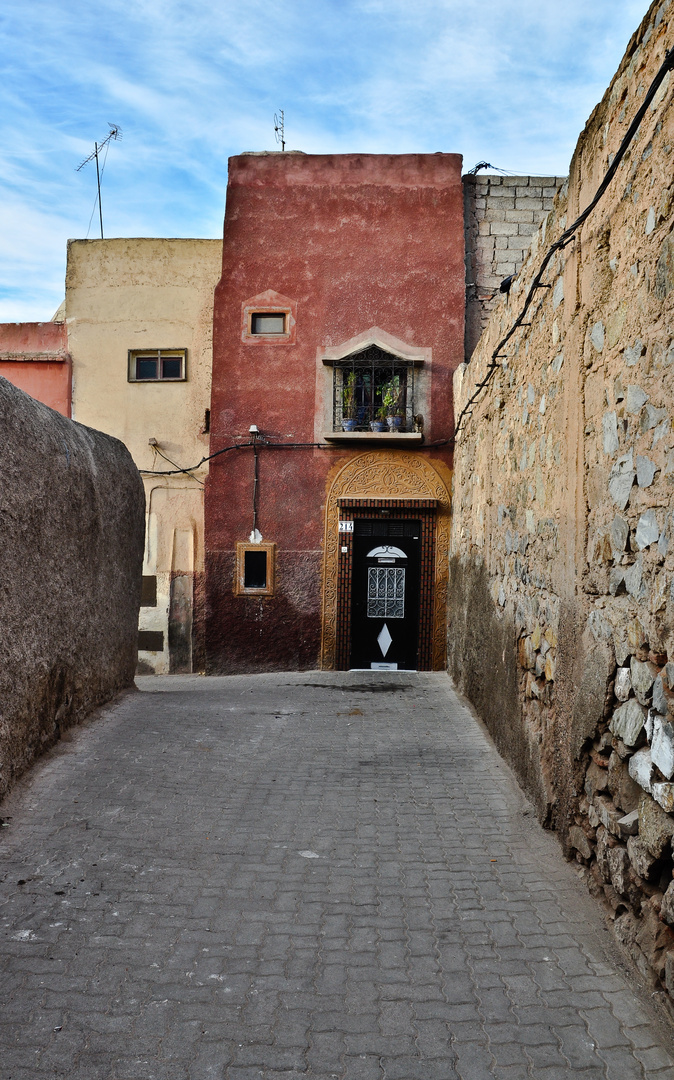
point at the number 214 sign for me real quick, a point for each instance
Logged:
(346, 526)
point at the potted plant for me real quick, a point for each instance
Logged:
(349, 402)
(391, 403)
(379, 422)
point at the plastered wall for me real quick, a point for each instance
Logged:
(562, 567)
(127, 294)
(71, 505)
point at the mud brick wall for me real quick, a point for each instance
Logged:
(501, 214)
(562, 567)
(72, 512)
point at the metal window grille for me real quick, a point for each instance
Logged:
(386, 592)
(371, 386)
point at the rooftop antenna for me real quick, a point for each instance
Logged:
(279, 129)
(114, 133)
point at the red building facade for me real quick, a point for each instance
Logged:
(35, 357)
(340, 312)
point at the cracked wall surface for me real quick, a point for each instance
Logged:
(562, 568)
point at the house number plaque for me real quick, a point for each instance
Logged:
(346, 526)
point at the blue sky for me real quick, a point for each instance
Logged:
(191, 83)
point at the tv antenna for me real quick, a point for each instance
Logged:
(114, 133)
(279, 129)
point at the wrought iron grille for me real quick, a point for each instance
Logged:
(386, 592)
(373, 390)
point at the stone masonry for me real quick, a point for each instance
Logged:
(320, 876)
(562, 582)
(501, 214)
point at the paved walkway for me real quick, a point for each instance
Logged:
(300, 876)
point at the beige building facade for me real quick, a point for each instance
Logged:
(139, 314)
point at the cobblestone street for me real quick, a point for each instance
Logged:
(311, 875)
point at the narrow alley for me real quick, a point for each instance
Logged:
(318, 875)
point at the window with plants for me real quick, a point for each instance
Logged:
(373, 391)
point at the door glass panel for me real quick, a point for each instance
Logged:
(386, 592)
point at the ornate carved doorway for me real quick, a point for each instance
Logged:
(401, 490)
(385, 594)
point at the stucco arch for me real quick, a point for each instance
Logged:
(382, 474)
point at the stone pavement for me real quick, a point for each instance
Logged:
(300, 876)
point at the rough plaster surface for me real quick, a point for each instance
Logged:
(353, 244)
(562, 496)
(71, 505)
(135, 293)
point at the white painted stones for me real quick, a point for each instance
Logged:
(661, 696)
(663, 793)
(635, 399)
(651, 417)
(646, 470)
(640, 768)
(597, 336)
(633, 352)
(621, 479)
(643, 676)
(662, 746)
(609, 425)
(620, 532)
(648, 530)
(623, 684)
(627, 722)
(633, 579)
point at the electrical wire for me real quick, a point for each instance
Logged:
(567, 235)
(258, 442)
(186, 471)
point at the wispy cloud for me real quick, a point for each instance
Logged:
(191, 83)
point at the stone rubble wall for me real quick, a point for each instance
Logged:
(501, 214)
(562, 568)
(72, 511)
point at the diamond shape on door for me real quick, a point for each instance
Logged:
(384, 640)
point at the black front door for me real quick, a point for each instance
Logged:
(385, 594)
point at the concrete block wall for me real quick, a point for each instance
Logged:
(72, 511)
(501, 214)
(562, 562)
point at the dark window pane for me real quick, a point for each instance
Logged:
(151, 640)
(255, 569)
(268, 324)
(148, 595)
(146, 368)
(172, 368)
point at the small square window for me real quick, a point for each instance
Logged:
(148, 595)
(146, 368)
(255, 569)
(155, 365)
(268, 322)
(150, 641)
